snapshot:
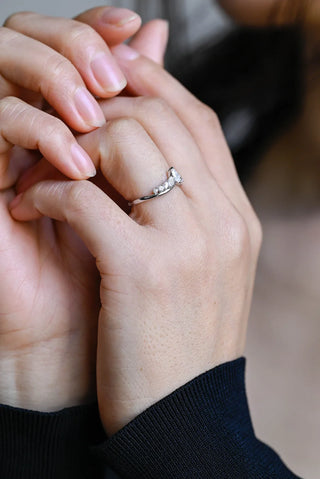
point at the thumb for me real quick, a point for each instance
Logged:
(152, 39)
(115, 25)
(97, 220)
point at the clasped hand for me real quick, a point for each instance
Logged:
(169, 283)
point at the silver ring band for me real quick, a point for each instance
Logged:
(174, 178)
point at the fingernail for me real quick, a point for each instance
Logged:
(15, 202)
(82, 161)
(107, 73)
(88, 108)
(124, 52)
(117, 17)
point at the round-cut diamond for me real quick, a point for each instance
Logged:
(175, 175)
(171, 181)
(161, 188)
(166, 185)
(155, 191)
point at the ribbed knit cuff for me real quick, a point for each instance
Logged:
(172, 438)
(202, 430)
(35, 445)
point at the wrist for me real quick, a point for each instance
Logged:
(39, 380)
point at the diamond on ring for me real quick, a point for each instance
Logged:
(174, 178)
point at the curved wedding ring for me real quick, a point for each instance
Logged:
(174, 178)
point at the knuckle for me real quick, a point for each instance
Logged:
(158, 106)
(77, 199)
(120, 127)
(58, 71)
(6, 103)
(79, 33)
(208, 115)
(11, 108)
(55, 129)
(237, 237)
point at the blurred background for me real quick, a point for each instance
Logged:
(264, 86)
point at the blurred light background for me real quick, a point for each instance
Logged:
(285, 415)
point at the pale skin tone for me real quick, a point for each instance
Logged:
(50, 287)
(152, 316)
(133, 249)
(163, 276)
(176, 274)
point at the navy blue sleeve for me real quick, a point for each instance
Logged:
(202, 430)
(37, 445)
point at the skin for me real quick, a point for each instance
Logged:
(158, 328)
(49, 292)
(132, 252)
(175, 289)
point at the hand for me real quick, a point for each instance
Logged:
(61, 60)
(150, 40)
(49, 289)
(177, 274)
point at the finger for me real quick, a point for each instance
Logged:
(80, 44)
(273, 12)
(146, 78)
(28, 127)
(131, 162)
(35, 66)
(115, 25)
(42, 170)
(7, 88)
(151, 40)
(21, 161)
(179, 147)
(102, 225)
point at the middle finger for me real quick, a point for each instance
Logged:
(82, 45)
(32, 65)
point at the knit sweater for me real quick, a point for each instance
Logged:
(202, 430)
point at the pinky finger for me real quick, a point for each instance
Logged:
(30, 128)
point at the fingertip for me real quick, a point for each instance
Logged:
(84, 167)
(118, 17)
(115, 25)
(88, 109)
(152, 40)
(21, 211)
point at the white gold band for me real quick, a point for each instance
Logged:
(174, 178)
